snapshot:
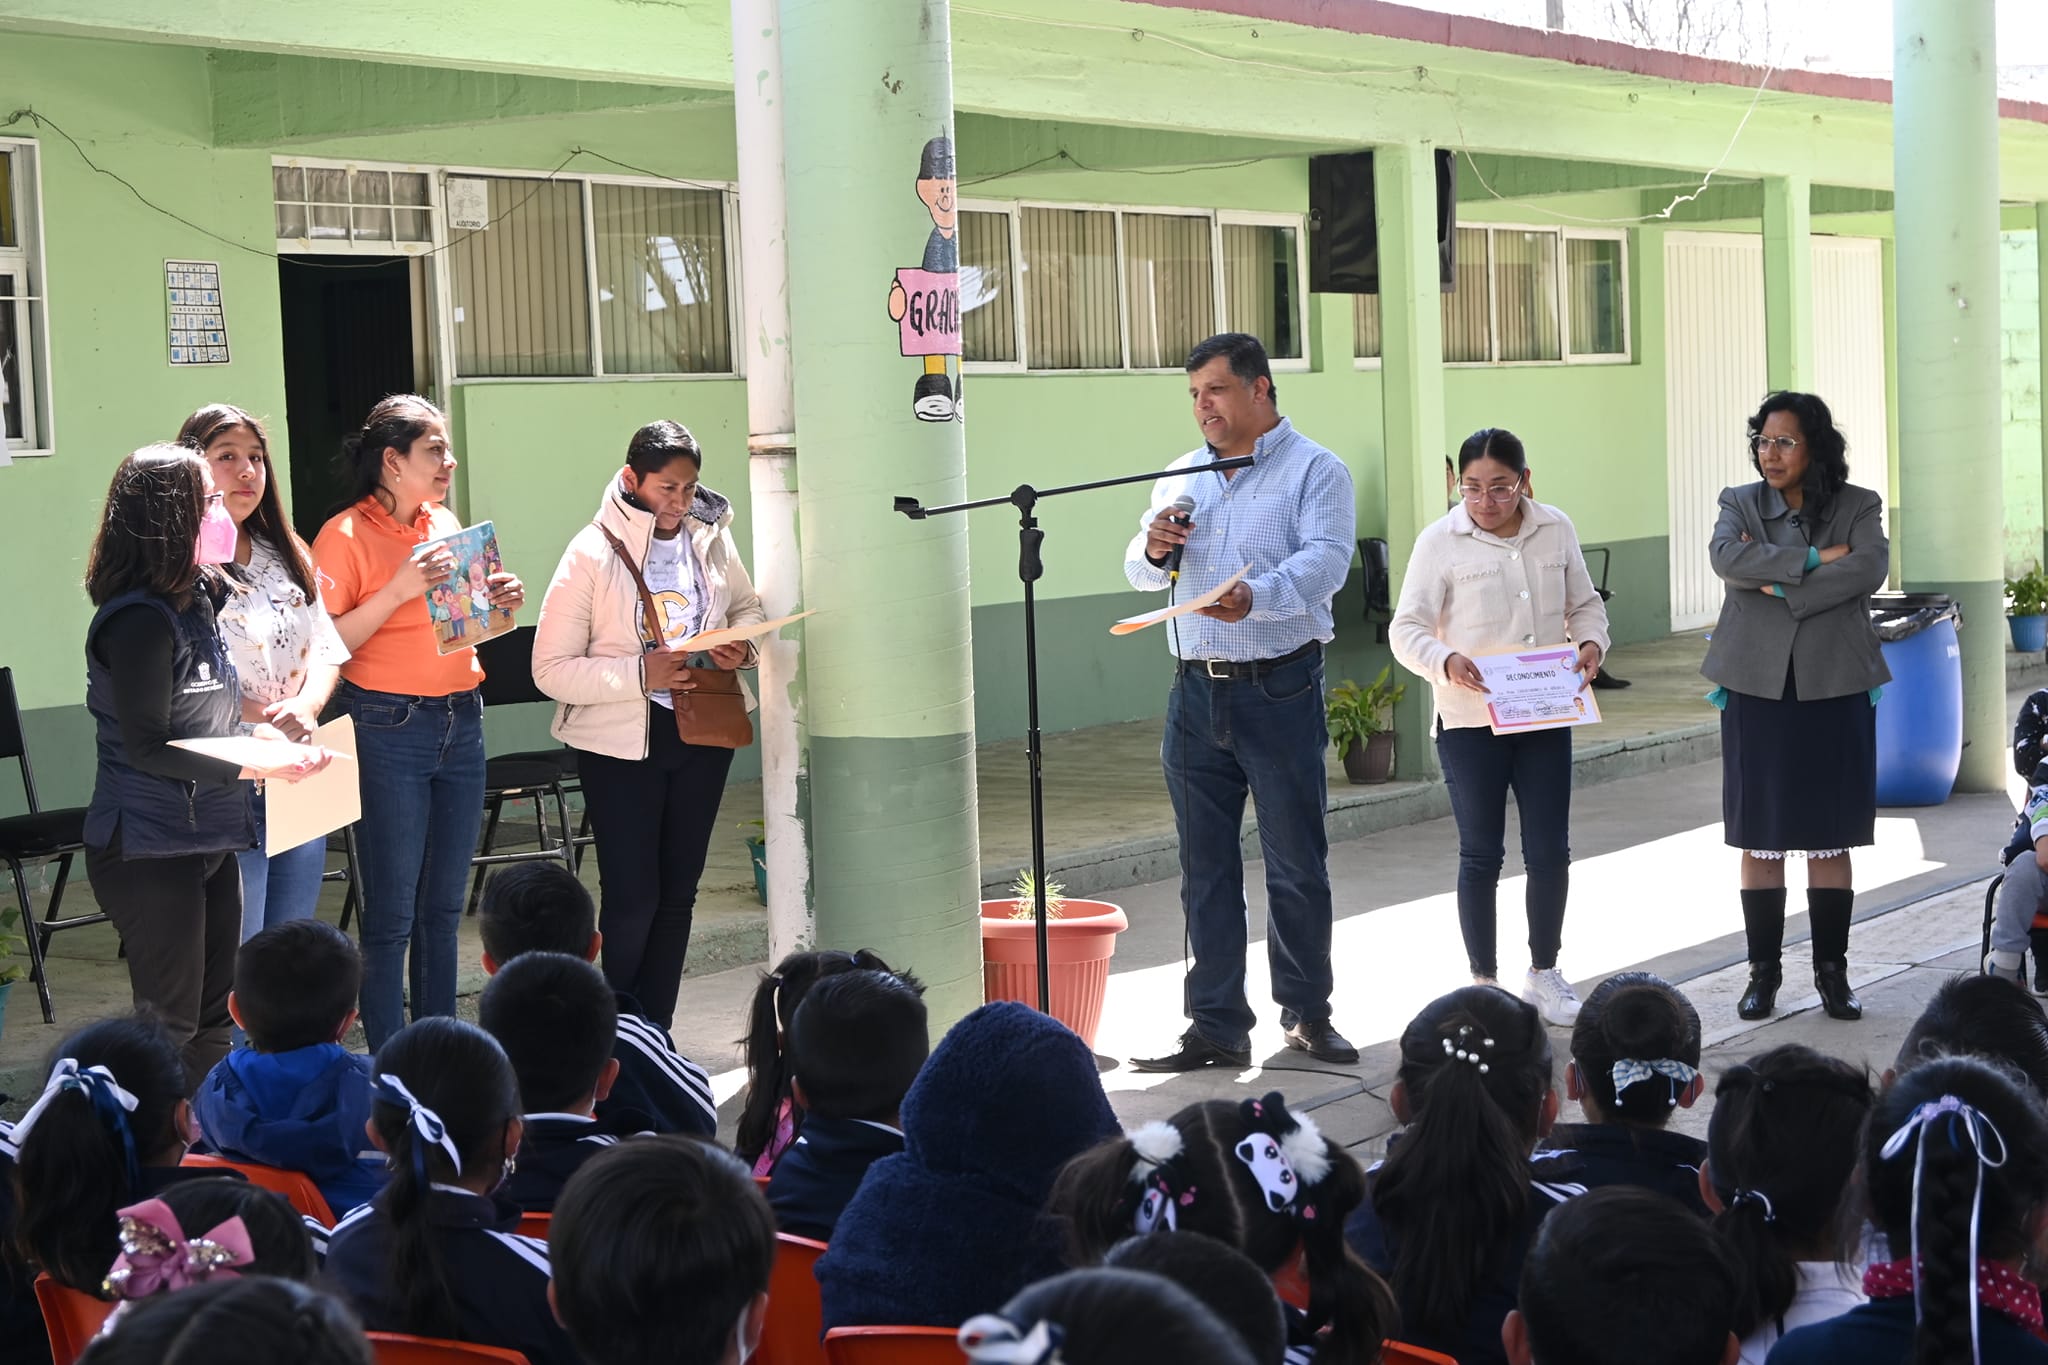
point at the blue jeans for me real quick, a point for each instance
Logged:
(1480, 768)
(276, 890)
(422, 761)
(1226, 738)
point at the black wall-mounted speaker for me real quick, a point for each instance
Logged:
(1343, 226)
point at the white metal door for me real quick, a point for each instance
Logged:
(1714, 376)
(1848, 348)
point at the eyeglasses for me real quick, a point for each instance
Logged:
(1784, 445)
(1500, 495)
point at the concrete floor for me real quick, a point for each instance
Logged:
(1652, 887)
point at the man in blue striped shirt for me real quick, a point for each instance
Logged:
(1245, 716)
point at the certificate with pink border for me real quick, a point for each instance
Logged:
(1538, 689)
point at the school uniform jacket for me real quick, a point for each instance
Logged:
(497, 1279)
(657, 1084)
(817, 1176)
(1601, 1154)
(1881, 1332)
(555, 1146)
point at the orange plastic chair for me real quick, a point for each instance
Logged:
(534, 1225)
(71, 1318)
(893, 1346)
(396, 1348)
(1400, 1353)
(1290, 1281)
(297, 1188)
(796, 1319)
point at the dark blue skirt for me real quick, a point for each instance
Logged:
(1798, 776)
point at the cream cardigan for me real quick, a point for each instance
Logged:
(1469, 592)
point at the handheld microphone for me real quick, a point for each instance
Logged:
(1185, 506)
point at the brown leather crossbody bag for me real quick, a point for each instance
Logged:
(713, 713)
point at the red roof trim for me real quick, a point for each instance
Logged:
(1380, 19)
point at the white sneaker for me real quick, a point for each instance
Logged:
(2011, 966)
(1552, 996)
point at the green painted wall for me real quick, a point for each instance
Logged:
(536, 454)
(2019, 297)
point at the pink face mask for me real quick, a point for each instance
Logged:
(216, 543)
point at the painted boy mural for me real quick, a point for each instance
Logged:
(925, 302)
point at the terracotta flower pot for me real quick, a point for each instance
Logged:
(1371, 761)
(1078, 945)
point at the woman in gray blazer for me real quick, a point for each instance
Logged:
(1798, 669)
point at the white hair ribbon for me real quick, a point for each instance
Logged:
(419, 1118)
(993, 1340)
(68, 1075)
(1628, 1071)
(1963, 1121)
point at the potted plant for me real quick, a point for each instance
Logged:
(1361, 721)
(1080, 939)
(2026, 610)
(11, 946)
(757, 852)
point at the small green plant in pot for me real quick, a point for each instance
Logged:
(757, 853)
(2026, 610)
(1024, 891)
(1361, 723)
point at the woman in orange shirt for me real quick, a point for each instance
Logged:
(418, 717)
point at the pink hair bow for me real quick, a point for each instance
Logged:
(156, 1258)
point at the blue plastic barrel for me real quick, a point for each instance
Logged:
(1920, 718)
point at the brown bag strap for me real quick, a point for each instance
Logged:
(647, 607)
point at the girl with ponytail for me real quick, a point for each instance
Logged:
(108, 1131)
(1782, 1146)
(1251, 1175)
(1955, 1168)
(437, 1253)
(1454, 1207)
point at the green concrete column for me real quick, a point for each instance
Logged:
(1788, 282)
(1895, 510)
(1945, 174)
(2041, 317)
(888, 667)
(1412, 388)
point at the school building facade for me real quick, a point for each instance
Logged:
(534, 214)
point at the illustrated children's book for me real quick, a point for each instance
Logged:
(461, 607)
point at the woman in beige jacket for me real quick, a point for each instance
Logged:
(1501, 572)
(652, 799)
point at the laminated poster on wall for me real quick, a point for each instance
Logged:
(197, 317)
(461, 608)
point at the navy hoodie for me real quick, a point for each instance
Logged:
(303, 1110)
(954, 1225)
(657, 1083)
(497, 1279)
(555, 1145)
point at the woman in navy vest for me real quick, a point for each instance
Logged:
(165, 823)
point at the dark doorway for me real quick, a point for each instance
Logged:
(348, 341)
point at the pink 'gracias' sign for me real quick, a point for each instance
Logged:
(931, 313)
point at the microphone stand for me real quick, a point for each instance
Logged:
(1030, 568)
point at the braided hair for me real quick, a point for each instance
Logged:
(1476, 1065)
(1254, 1176)
(1918, 1133)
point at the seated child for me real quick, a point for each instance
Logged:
(955, 1223)
(855, 1046)
(662, 1253)
(245, 1320)
(1255, 1176)
(1783, 1144)
(1103, 1317)
(1981, 1016)
(541, 907)
(770, 1115)
(1624, 1275)
(1635, 1063)
(553, 1015)
(1955, 1162)
(295, 1097)
(2020, 917)
(199, 1229)
(435, 1254)
(1458, 1200)
(1220, 1277)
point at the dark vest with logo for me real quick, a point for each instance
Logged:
(160, 817)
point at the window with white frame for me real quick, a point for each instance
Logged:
(1526, 296)
(24, 389)
(1115, 288)
(351, 204)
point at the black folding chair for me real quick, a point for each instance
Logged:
(35, 838)
(537, 775)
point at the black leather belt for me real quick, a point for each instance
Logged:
(1225, 670)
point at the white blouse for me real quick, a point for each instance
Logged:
(273, 633)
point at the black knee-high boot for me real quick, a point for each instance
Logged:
(1763, 923)
(1828, 908)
